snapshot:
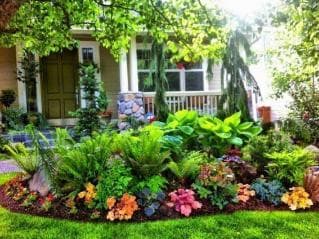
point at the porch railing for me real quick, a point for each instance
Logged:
(200, 101)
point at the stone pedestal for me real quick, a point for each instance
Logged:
(130, 105)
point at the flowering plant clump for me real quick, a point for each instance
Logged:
(16, 189)
(244, 192)
(70, 203)
(297, 198)
(89, 194)
(215, 173)
(183, 201)
(46, 203)
(30, 199)
(122, 210)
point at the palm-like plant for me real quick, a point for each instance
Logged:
(145, 153)
(235, 74)
(188, 167)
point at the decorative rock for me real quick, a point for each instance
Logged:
(123, 125)
(129, 105)
(122, 117)
(39, 183)
(314, 150)
(120, 97)
(128, 112)
(128, 97)
(141, 118)
(135, 107)
(139, 102)
(122, 107)
(141, 110)
(139, 95)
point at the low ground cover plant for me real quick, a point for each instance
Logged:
(189, 164)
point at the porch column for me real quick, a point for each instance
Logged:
(22, 96)
(123, 73)
(38, 87)
(133, 66)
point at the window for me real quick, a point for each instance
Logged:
(87, 54)
(186, 77)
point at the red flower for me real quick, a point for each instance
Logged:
(180, 66)
(50, 197)
(41, 201)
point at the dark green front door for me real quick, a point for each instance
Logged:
(59, 84)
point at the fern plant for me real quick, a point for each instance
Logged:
(83, 163)
(289, 167)
(145, 153)
(26, 159)
(188, 167)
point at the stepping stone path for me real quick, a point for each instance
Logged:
(8, 166)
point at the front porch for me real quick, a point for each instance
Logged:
(201, 101)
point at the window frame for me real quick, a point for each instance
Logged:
(182, 72)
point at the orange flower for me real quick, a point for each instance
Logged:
(110, 202)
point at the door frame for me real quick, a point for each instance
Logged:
(96, 57)
(55, 122)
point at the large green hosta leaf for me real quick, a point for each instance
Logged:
(233, 120)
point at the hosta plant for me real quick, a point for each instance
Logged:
(217, 135)
(150, 201)
(269, 191)
(297, 198)
(123, 209)
(183, 201)
(244, 192)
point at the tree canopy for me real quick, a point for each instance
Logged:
(190, 29)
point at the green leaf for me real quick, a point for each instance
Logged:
(186, 129)
(236, 141)
(233, 120)
(223, 135)
(245, 125)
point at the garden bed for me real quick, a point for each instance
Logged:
(60, 211)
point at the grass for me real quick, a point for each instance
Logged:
(238, 225)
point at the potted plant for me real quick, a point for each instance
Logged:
(7, 98)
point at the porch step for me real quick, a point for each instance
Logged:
(23, 137)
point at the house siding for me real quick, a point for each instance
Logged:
(215, 83)
(8, 76)
(111, 78)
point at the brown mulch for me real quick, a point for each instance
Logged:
(60, 211)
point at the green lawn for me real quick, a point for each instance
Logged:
(238, 225)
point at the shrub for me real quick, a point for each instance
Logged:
(269, 191)
(150, 201)
(7, 97)
(289, 167)
(122, 210)
(183, 201)
(254, 152)
(244, 192)
(215, 183)
(297, 198)
(155, 184)
(12, 118)
(188, 167)
(3, 142)
(114, 181)
(144, 152)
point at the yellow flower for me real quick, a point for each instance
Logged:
(82, 194)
